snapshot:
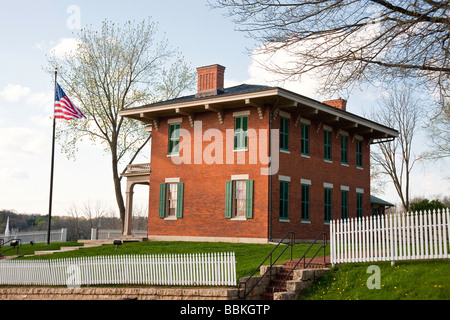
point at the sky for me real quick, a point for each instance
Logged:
(30, 30)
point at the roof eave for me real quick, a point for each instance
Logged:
(283, 98)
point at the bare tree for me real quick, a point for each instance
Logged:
(349, 42)
(93, 211)
(113, 69)
(439, 134)
(401, 110)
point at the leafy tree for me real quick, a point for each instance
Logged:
(117, 67)
(426, 205)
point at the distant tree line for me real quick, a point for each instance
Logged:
(78, 227)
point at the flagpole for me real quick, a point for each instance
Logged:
(52, 166)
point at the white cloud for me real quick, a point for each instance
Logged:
(14, 92)
(20, 142)
(64, 46)
(306, 85)
(7, 174)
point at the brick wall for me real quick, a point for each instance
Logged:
(204, 184)
(318, 171)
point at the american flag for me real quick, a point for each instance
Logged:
(64, 108)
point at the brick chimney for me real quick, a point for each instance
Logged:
(337, 103)
(210, 80)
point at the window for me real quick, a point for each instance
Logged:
(240, 132)
(284, 200)
(344, 204)
(327, 145)
(305, 202)
(171, 200)
(174, 139)
(344, 149)
(359, 205)
(327, 204)
(305, 139)
(284, 133)
(239, 199)
(359, 145)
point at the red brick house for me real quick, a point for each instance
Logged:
(211, 178)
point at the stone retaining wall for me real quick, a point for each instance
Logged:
(144, 293)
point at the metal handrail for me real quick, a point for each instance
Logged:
(290, 244)
(324, 245)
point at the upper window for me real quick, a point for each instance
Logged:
(344, 149)
(305, 139)
(327, 145)
(174, 139)
(359, 145)
(240, 132)
(284, 133)
(239, 199)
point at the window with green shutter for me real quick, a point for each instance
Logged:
(284, 200)
(344, 149)
(239, 199)
(284, 134)
(327, 204)
(327, 145)
(174, 139)
(305, 202)
(240, 132)
(171, 200)
(359, 205)
(359, 145)
(305, 139)
(344, 204)
(162, 200)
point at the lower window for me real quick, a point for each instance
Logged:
(239, 199)
(171, 200)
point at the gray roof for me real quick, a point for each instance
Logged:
(242, 88)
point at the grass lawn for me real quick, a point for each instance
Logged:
(248, 256)
(406, 280)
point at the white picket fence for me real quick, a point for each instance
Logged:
(209, 269)
(420, 235)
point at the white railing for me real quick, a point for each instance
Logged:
(103, 234)
(59, 235)
(145, 167)
(420, 235)
(205, 269)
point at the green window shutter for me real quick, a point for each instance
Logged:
(245, 129)
(162, 200)
(228, 198)
(249, 199)
(284, 133)
(180, 191)
(305, 139)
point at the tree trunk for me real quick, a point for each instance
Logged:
(118, 188)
